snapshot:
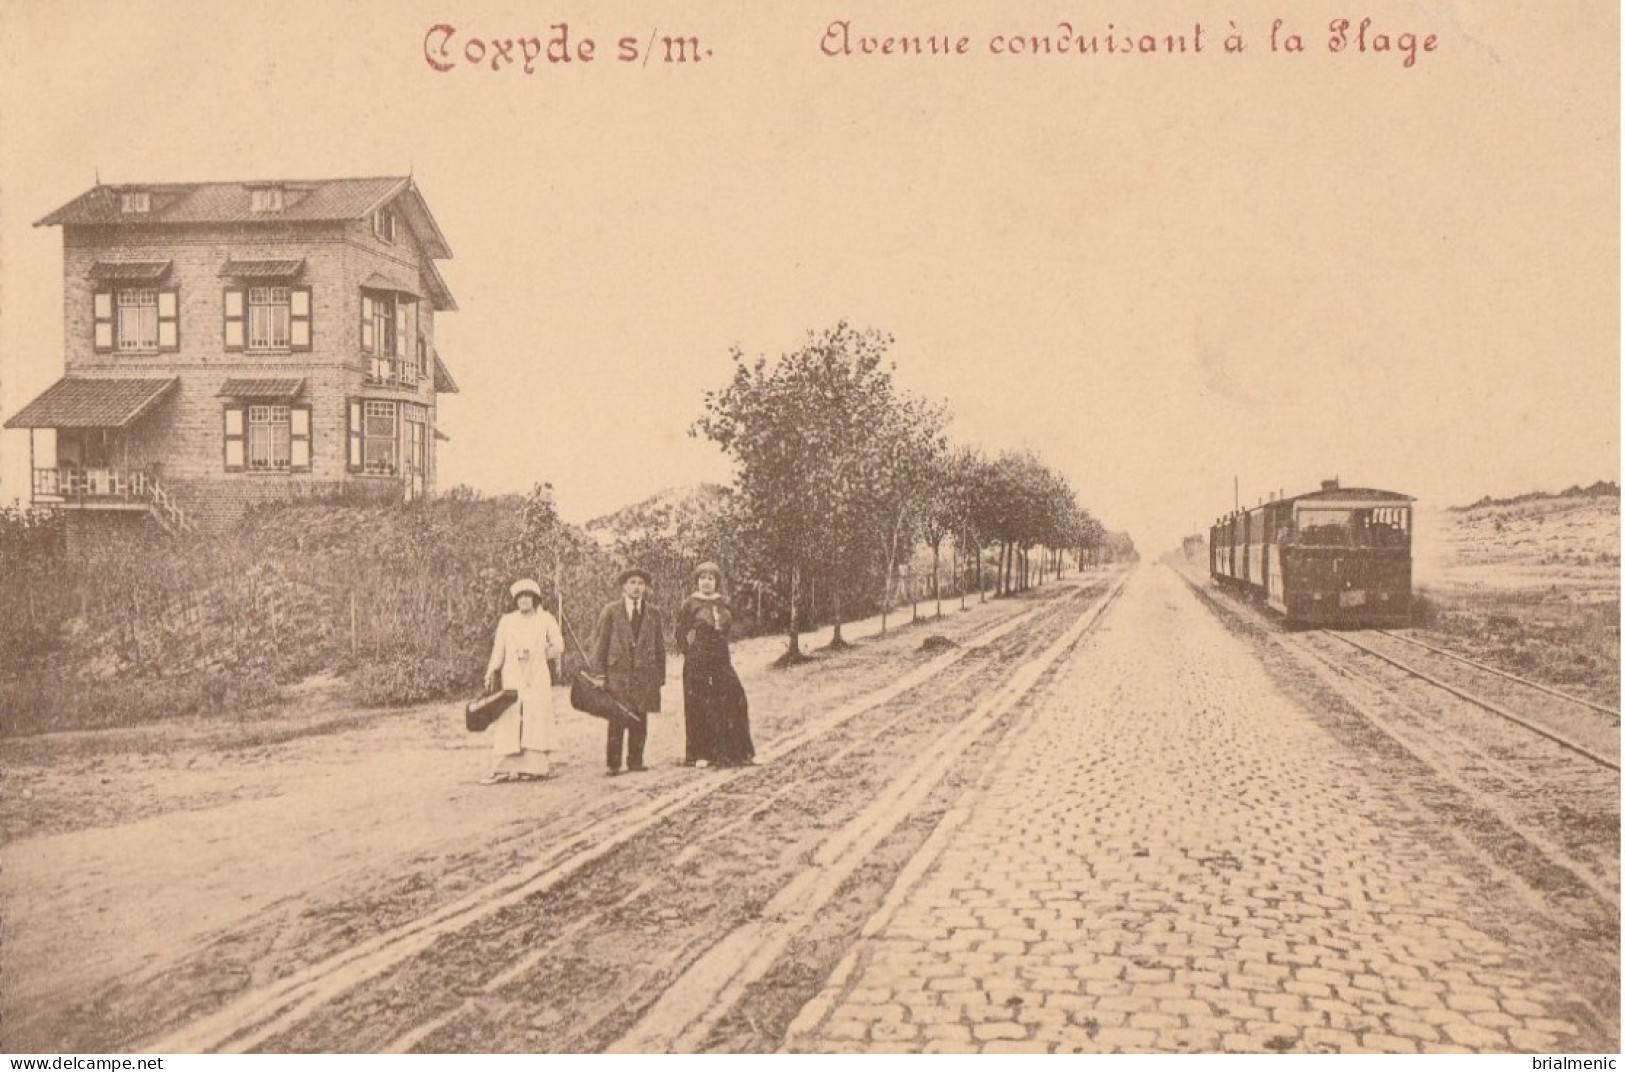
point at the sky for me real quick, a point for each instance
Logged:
(1172, 275)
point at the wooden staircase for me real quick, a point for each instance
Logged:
(168, 513)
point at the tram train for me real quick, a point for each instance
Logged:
(1338, 556)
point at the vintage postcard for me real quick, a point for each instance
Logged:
(815, 528)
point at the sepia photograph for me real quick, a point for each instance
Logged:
(907, 527)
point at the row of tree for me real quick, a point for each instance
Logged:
(849, 494)
(841, 475)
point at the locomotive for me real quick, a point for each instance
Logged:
(1338, 556)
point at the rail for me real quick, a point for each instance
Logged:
(1479, 701)
(93, 484)
(1560, 694)
(394, 371)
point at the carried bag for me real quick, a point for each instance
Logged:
(487, 709)
(591, 698)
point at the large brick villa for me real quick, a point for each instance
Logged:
(238, 342)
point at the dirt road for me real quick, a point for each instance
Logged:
(155, 876)
(1079, 820)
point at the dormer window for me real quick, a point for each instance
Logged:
(135, 201)
(265, 199)
(383, 225)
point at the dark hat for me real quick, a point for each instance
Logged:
(635, 571)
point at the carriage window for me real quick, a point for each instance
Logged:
(1390, 526)
(1381, 526)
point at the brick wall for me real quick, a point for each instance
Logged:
(400, 261)
(183, 437)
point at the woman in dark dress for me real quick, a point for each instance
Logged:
(716, 715)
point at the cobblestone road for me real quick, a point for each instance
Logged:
(1173, 855)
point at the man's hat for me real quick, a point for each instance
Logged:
(635, 571)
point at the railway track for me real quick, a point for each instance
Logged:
(1527, 722)
(1532, 777)
(1537, 686)
(712, 880)
(1561, 801)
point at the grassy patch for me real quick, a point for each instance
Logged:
(1540, 635)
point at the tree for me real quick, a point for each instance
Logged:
(903, 465)
(548, 547)
(800, 433)
(946, 512)
(1088, 535)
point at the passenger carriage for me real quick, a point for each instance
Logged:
(1337, 556)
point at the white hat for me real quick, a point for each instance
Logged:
(527, 585)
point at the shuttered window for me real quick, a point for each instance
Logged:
(381, 437)
(299, 438)
(381, 323)
(356, 457)
(403, 328)
(102, 309)
(136, 320)
(236, 319)
(267, 317)
(169, 320)
(299, 318)
(236, 438)
(267, 439)
(375, 437)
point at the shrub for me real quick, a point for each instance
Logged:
(410, 681)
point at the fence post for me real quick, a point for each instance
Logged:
(558, 591)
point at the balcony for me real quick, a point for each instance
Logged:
(393, 372)
(95, 488)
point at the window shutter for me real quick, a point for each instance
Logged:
(236, 316)
(169, 319)
(366, 324)
(236, 438)
(102, 308)
(299, 438)
(299, 318)
(403, 334)
(355, 436)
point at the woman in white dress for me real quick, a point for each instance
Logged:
(526, 639)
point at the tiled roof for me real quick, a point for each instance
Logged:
(379, 281)
(86, 403)
(443, 383)
(323, 200)
(136, 271)
(231, 202)
(263, 269)
(279, 389)
(439, 293)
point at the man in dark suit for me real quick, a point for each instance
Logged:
(629, 652)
